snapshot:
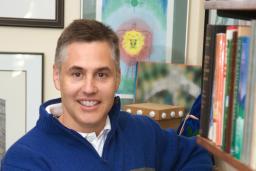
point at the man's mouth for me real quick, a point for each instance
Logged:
(89, 103)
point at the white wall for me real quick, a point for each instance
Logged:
(43, 40)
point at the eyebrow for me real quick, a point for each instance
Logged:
(100, 69)
(75, 68)
(104, 69)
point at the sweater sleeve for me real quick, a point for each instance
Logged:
(186, 154)
(21, 158)
(179, 153)
(6, 167)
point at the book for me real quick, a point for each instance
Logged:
(252, 102)
(239, 93)
(249, 141)
(218, 87)
(207, 79)
(231, 36)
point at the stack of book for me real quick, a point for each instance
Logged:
(228, 108)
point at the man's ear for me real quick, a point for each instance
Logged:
(56, 76)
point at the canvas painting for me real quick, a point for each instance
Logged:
(143, 31)
(174, 84)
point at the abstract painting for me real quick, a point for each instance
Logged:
(144, 33)
(174, 84)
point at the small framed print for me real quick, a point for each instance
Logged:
(32, 13)
(21, 78)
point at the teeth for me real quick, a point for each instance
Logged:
(88, 103)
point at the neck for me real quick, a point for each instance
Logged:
(85, 129)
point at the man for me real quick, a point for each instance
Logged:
(85, 129)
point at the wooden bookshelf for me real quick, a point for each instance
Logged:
(230, 5)
(217, 151)
(238, 9)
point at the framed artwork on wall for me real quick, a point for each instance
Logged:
(32, 13)
(146, 30)
(21, 78)
(167, 83)
(135, 22)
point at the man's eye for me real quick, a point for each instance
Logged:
(102, 75)
(76, 74)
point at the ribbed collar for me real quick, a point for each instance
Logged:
(50, 123)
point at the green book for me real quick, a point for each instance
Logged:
(231, 36)
(240, 85)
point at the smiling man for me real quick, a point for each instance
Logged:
(85, 129)
(87, 80)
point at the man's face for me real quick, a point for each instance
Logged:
(87, 81)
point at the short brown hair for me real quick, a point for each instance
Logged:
(84, 30)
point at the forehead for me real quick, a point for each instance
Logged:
(89, 55)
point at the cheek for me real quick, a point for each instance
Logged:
(110, 89)
(68, 88)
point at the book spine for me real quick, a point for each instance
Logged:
(243, 47)
(231, 35)
(252, 103)
(207, 81)
(218, 87)
(249, 143)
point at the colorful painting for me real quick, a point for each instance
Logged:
(142, 29)
(141, 26)
(174, 84)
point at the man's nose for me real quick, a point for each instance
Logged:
(89, 86)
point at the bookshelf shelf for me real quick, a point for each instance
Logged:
(217, 151)
(245, 10)
(230, 5)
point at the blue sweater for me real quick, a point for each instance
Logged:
(134, 143)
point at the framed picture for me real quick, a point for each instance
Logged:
(137, 24)
(146, 30)
(167, 83)
(32, 13)
(21, 78)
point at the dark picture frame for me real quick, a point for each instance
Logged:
(56, 22)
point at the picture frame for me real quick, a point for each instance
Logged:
(21, 77)
(154, 32)
(32, 13)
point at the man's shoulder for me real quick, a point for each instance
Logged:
(26, 143)
(138, 122)
(25, 149)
